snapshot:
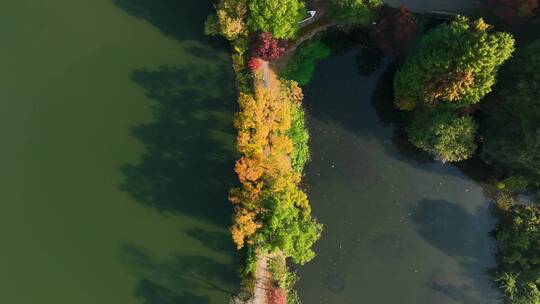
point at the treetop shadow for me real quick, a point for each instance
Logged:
(176, 279)
(175, 18)
(452, 230)
(185, 167)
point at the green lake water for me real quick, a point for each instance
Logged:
(118, 153)
(398, 227)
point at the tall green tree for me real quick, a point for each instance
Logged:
(443, 134)
(512, 124)
(279, 17)
(353, 11)
(289, 226)
(454, 65)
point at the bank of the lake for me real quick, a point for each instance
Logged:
(118, 155)
(398, 228)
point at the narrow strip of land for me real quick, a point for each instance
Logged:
(268, 81)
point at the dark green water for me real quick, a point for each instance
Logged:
(398, 228)
(118, 153)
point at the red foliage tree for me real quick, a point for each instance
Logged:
(394, 29)
(254, 64)
(508, 10)
(263, 45)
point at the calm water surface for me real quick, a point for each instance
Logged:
(398, 228)
(118, 153)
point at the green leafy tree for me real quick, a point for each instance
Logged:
(518, 251)
(289, 227)
(279, 17)
(299, 135)
(454, 65)
(443, 134)
(302, 65)
(512, 124)
(353, 11)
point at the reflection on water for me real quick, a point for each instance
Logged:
(399, 228)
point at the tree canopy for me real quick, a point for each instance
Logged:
(229, 20)
(444, 134)
(353, 11)
(454, 65)
(518, 251)
(394, 29)
(512, 124)
(279, 17)
(264, 46)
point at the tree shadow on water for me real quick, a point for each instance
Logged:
(363, 105)
(178, 279)
(382, 101)
(464, 237)
(217, 241)
(181, 19)
(187, 166)
(450, 228)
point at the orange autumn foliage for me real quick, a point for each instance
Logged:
(249, 169)
(265, 165)
(244, 225)
(450, 86)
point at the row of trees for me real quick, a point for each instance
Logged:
(234, 18)
(271, 212)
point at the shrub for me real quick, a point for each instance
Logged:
(254, 64)
(302, 65)
(513, 184)
(299, 136)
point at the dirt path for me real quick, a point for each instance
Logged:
(262, 278)
(267, 79)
